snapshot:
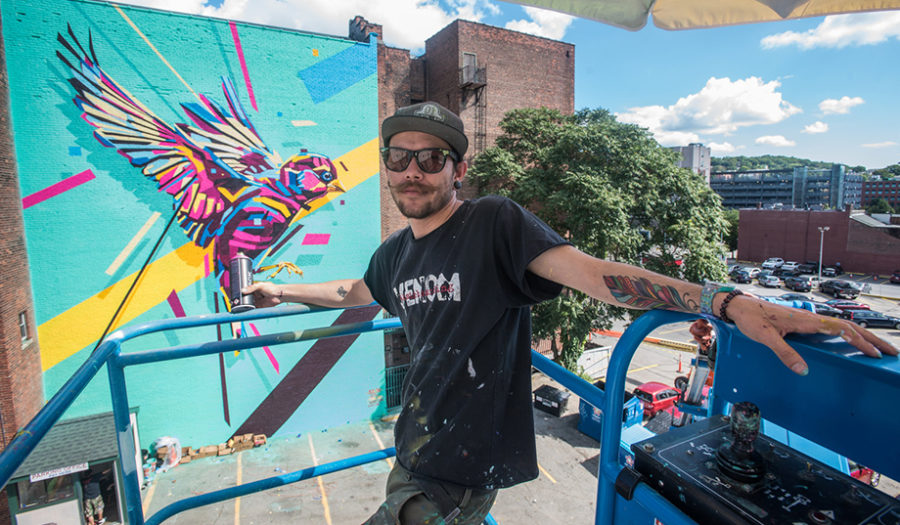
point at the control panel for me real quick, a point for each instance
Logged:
(720, 470)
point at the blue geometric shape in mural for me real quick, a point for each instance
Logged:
(335, 74)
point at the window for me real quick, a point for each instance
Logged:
(23, 326)
(44, 491)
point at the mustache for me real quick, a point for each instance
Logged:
(403, 186)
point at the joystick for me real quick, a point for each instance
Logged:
(739, 460)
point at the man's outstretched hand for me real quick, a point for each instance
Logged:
(768, 323)
(265, 294)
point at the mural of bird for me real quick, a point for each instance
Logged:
(228, 187)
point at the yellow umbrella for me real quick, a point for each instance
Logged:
(692, 14)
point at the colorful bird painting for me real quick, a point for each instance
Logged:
(229, 188)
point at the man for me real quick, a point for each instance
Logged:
(462, 278)
(93, 500)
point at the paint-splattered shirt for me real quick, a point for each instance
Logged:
(464, 295)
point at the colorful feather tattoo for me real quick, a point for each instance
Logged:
(645, 295)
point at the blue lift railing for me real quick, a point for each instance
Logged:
(849, 424)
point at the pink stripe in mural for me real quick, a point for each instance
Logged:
(52, 191)
(317, 238)
(266, 348)
(175, 304)
(240, 52)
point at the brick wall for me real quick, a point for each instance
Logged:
(522, 71)
(21, 388)
(394, 71)
(794, 236)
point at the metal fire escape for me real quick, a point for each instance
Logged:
(472, 81)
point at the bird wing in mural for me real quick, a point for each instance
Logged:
(227, 184)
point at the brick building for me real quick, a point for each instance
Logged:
(479, 71)
(21, 388)
(889, 190)
(860, 243)
(474, 69)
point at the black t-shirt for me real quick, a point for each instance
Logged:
(92, 488)
(463, 295)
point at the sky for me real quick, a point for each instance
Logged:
(823, 88)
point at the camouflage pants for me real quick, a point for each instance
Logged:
(407, 503)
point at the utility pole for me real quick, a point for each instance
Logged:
(822, 230)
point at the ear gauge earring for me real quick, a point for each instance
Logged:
(457, 184)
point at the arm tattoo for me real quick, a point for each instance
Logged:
(343, 293)
(645, 295)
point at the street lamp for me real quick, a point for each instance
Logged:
(822, 230)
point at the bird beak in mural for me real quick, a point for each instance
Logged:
(336, 186)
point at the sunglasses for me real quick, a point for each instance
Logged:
(429, 160)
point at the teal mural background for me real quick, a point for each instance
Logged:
(327, 84)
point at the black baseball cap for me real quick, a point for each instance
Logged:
(431, 118)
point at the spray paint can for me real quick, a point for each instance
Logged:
(240, 275)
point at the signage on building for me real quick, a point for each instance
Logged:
(58, 472)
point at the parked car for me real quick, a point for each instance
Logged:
(866, 318)
(798, 284)
(824, 309)
(753, 271)
(844, 304)
(781, 272)
(808, 267)
(742, 276)
(839, 289)
(789, 266)
(772, 262)
(805, 268)
(864, 474)
(769, 281)
(795, 297)
(833, 270)
(656, 397)
(895, 277)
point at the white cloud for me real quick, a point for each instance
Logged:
(885, 144)
(842, 106)
(724, 147)
(548, 24)
(775, 140)
(816, 127)
(841, 31)
(406, 23)
(721, 107)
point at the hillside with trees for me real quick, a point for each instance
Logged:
(777, 162)
(772, 162)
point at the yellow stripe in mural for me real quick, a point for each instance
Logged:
(81, 325)
(161, 57)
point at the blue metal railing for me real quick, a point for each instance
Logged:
(740, 363)
(109, 354)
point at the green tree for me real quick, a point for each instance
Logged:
(880, 205)
(731, 235)
(615, 193)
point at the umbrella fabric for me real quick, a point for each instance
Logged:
(693, 14)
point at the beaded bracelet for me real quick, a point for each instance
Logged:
(723, 315)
